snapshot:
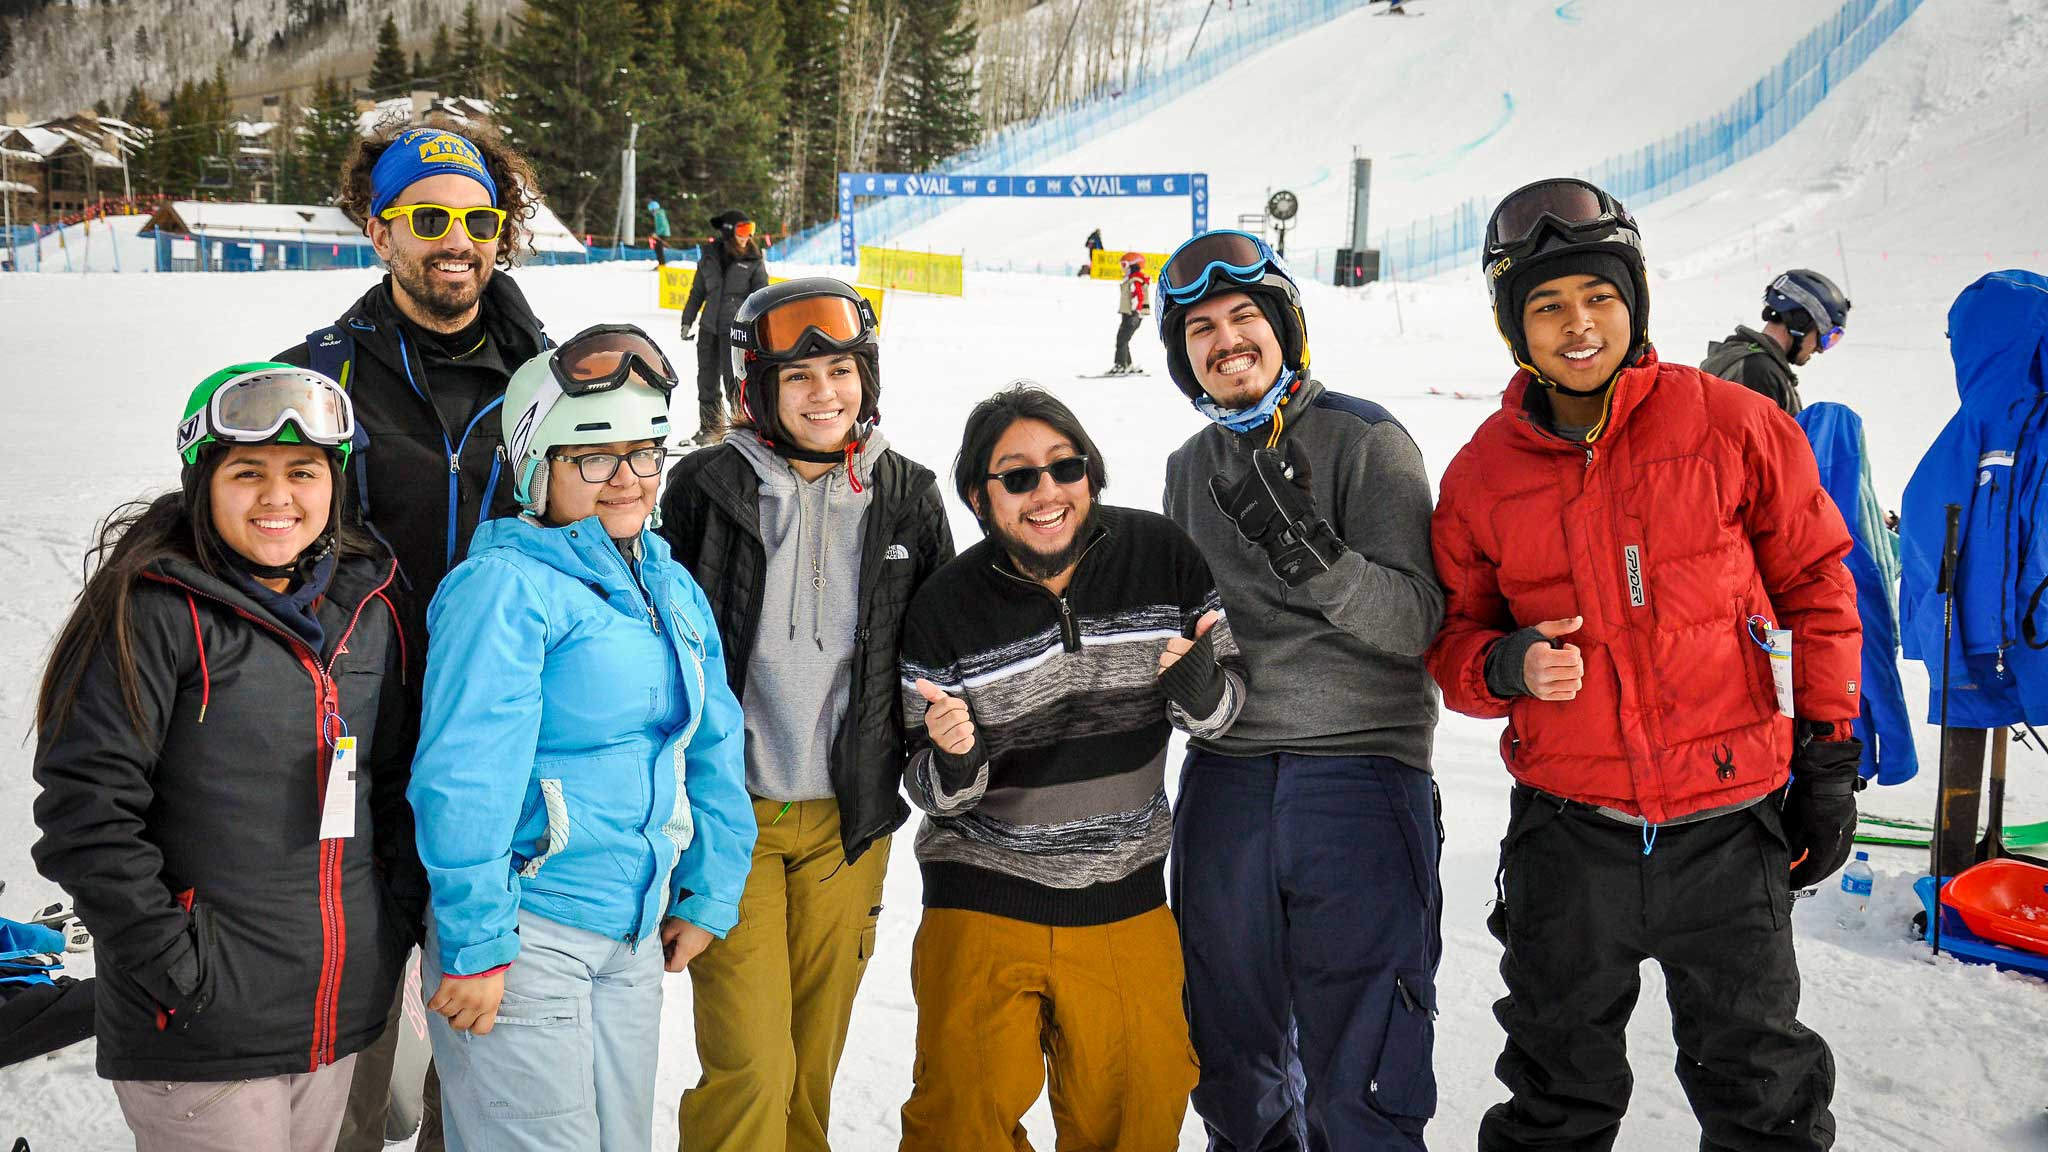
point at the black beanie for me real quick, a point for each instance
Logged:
(1571, 262)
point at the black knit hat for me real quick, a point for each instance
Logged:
(1569, 262)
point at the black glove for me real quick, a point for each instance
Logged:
(689, 333)
(1274, 508)
(1195, 682)
(1820, 806)
(179, 979)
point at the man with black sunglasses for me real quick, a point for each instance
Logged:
(1306, 839)
(1626, 546)
(425, 355)
(1042, 671)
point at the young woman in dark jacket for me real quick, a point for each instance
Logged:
(222, 745)
(809, 535)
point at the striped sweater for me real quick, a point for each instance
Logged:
(1058, 813)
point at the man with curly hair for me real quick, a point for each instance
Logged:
(425, 355)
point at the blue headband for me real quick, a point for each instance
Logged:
(422, 152)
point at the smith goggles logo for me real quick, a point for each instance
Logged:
(1634, 561)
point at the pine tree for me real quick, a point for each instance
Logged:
(571, 90)
(145, 163)
(329, 128)
(731, 50)
(107, 47)
(813, 40)
(389, 75)
(441, 64)
(471, 54)
(930, 111)
(6, 48)
(142, 42)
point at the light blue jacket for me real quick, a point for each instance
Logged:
(580, 753)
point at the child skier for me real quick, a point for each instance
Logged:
(1132, 306)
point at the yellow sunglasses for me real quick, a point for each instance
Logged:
(432, 221)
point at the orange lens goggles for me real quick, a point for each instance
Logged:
(781, 329)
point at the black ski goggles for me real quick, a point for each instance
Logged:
(1021, 481)
(1568, 207)
(602, 358)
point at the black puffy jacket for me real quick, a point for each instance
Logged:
(192, 849)
(711, 515)
(426, 481)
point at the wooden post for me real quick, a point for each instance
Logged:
(1958, 832)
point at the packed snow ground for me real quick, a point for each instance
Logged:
(1920, 174)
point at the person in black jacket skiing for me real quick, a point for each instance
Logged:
(223, 747)
(1804, 315)
(809, 536)
(425, 355)
(730, 269)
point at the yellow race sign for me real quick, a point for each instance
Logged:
(928, 272)
(1108, 265)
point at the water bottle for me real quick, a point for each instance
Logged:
(1856, 882)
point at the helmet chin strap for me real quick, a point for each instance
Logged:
(299, 569)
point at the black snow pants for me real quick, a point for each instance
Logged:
(714, 364)
(1124, 330)
(1584, 900)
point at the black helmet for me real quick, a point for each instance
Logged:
(1552, 222)
(1806, 301)
(793, 320)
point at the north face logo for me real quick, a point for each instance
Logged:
(896, 552)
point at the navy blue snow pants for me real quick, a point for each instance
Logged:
(1310, 909)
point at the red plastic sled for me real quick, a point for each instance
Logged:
(2003, 901)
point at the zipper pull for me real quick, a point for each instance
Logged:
(653, 618)
(455, 464)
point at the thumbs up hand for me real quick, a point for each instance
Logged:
(946, 720)
(1555, 671)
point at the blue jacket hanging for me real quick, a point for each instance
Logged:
(1885, 726)
(1989, 460)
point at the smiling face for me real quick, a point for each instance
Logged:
(271, 501)
(817, 399)
(1232, 348)
(1043, 530)
(622, 504)
(1577, 328)
(438, 283)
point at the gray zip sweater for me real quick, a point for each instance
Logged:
(1334, 666)
(800, 676)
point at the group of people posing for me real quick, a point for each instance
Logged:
(420, 653)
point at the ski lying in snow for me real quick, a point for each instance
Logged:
(1108, 375)
(1916, 833)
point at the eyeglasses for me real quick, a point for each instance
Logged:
(602, 357)
(600, 467)
(1020, 481)
(432, 221)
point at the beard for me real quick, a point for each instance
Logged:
(436, 297)
(1038, 564)
(1243, 391)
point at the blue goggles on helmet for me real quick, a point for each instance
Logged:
(1238, 257)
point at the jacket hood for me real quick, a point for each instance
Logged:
(775, 472)
(1998, 336)
(356, 578)
(1746, 337)
(582, 551)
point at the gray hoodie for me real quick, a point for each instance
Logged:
(800, 676)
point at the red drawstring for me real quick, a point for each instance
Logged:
(205, 677)
(852, 477)
(400, 630)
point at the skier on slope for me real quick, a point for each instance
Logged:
(222, 745)
(730, 269)
(1306, 838)
(1804, 314)
(1132, 306)
(1663, 807)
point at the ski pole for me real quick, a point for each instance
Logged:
(1945, 587)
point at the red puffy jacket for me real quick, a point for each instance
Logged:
(1697, 506)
